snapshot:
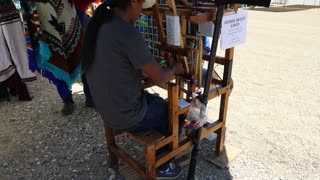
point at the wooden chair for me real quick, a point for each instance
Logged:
(151, 139)
(148, 138)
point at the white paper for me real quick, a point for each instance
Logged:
(234, 29)
(212, 137)
(206, 29)
(183, 103)
(173, 30)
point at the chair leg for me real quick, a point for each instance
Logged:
(150, 157)
(111, 143)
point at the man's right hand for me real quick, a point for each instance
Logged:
(178, 68)
(160, 76)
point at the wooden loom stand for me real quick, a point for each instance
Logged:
(173, 96)
(153, 141)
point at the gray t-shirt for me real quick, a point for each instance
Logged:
(115, 79)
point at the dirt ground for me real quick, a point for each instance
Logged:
(273, 116)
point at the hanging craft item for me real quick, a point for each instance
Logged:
(172, 6)
(148, 4)
(173, 30)
(196, 116)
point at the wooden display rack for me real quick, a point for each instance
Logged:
(153, 140)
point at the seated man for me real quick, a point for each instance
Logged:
(115, 56)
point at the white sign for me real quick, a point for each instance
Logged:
(234, 29)
(173, 30)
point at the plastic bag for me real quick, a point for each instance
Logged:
(196, 116)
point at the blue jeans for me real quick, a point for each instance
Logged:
(157, 116)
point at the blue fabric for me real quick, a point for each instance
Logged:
(157, 116)
(43, 55)
(206, 43)
(83, 18)
(32, 61)
(62, 87)
(38, 63)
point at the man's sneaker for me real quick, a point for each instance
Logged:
(168, 171)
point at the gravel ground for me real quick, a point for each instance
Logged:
(273, 116)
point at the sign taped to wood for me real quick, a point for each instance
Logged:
(234, 29)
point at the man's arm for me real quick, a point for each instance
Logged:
(160, 76)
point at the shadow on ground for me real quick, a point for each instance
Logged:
(286, 8)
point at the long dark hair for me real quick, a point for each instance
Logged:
(103, 14)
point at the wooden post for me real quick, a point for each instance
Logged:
(110, 143)
(199, 62)
(173, 114)
(158, 19)
(224, 100)
(181, 86)
(150, 156)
